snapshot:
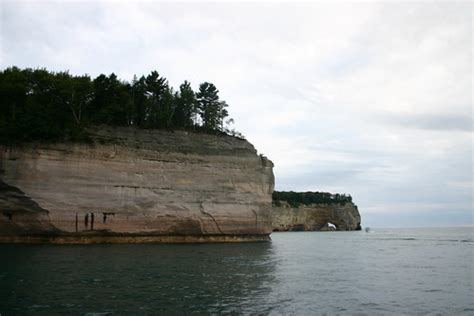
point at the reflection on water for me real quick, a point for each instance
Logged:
(381, 272)
(131, 278)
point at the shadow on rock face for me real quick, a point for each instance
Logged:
(19, 214)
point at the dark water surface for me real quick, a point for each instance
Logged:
(407, 271)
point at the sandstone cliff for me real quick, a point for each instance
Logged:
(133, 185)
(315, 217)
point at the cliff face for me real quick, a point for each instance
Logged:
(315, 217)
(134, 185)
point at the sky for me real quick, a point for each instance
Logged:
(372, 99)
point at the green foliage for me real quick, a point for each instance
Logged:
(36, 104)
(186, 106)
(213, 111)
(295, 199)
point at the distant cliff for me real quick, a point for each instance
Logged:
(132, 185)
(315, 217)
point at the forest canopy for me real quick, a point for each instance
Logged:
(36, 104)
(295, 199)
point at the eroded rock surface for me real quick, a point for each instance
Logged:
(138, 182)
(29, 216)
(316, 217)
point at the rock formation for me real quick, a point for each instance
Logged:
(315, 217)
(132, 185)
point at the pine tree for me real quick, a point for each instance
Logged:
(156, 88)
(212, 110)
(139, 99)
(186, 106)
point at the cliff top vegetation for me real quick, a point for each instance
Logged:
(36, 104)
(295, 199)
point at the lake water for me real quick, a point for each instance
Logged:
(403, 271)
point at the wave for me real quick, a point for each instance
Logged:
(470, 241)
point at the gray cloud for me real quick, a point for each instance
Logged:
(439, 122)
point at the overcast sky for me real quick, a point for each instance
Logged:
(369, 99)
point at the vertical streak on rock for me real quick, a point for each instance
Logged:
(201, 208)
(256, 217)
(201, 225)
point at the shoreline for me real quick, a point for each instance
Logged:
(130, 239)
